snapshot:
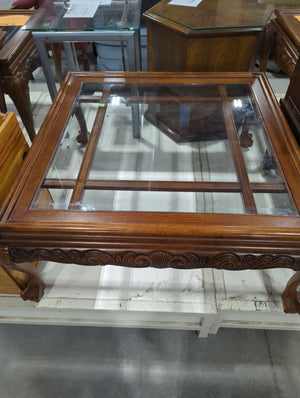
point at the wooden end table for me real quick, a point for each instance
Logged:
(214, 36)
(222, 193)
(291, 102)
(282, 39)
(18, 59)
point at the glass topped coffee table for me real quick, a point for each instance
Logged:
(113, 20)
(177, 170)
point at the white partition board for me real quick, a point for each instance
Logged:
(118, 296)
(202, 300)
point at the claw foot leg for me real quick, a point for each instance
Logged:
(25, 276)
(291, 295)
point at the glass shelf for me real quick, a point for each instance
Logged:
(118, 15)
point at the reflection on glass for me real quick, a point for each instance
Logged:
(166, 148)
(258, 155)
(187, 202)
(10, 31)
(275, 203)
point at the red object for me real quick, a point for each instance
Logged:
(25, 4)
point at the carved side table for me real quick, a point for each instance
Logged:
(282, 39)
(291, 102)
(18, 59)
(179, 170)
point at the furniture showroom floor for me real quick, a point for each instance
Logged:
(47, 349)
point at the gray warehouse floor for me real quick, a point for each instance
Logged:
(56, 361)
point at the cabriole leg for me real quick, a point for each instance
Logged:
(291, 295)
(18, 90)
(25, 276)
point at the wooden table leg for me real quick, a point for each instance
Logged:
(56, 51)
(246, 138)
(17, 88)
(82, 137)
(85, 60)
(291, 296)
(24, 275)
(267, 43)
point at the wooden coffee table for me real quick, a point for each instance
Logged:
(223, 193)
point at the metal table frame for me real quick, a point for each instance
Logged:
(130, 37)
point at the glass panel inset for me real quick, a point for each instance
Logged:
(258, 154)
(68, 157)
(199, 148)
(275, 204)
(146, 201)
(52, 199)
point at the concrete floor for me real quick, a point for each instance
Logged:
(55, 361)
(69, 361)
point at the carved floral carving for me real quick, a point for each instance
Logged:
(274, 42)
(157, 259)
(23, 74)
(284, 59)
(34, 288)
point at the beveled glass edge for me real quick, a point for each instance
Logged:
(210, 29)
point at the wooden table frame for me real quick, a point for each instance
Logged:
(143, 239)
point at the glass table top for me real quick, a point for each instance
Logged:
(10, 31)
(215, 14)
(110, 15)
(165, 147)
